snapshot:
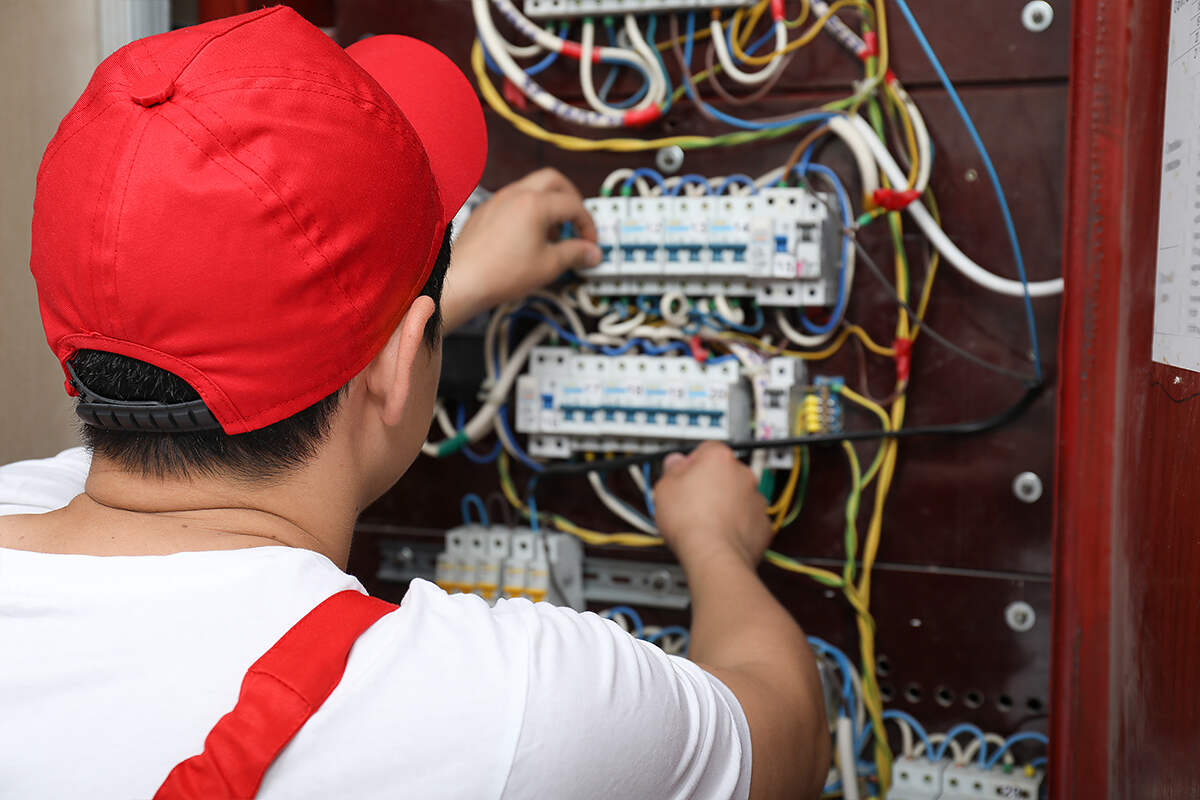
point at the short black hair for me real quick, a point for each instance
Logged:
(261, 455)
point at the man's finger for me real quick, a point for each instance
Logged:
(560, 207)
(574, 254)
(549, 179)
(672, 461)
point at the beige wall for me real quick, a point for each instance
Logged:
(48, 49)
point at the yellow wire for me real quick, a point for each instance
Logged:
(878, 411)
(931, 271)
(805, 10)
(910, 137)
(817, 355)
(794, 44)
(591, 537)
(781, 506)
(755, 15)
(622, 145)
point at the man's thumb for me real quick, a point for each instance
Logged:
(576, 254)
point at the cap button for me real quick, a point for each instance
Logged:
(150, 90)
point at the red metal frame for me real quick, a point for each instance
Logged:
(1123, 722)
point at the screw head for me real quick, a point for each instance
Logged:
(669, 159)
(1037, 16)
(1020, 616)
(971, 175)
(1027, 487)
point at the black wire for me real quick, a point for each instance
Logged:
(917, 322)
(970, 428)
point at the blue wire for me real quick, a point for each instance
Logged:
(757, 43)
(471, 499)
(721, 359)
(893, 714)
(649, 347)
(844, 204)
(754, 327)
(633, 511)
(541, 66)
(964, 727)
(738, 178)
(698, 180)
(645, 172)
(992, 176)
(522, 456)
(533, 511)
(460, 420)
(649, 490)
(1040, 761)
(844, 665)
(731, 120)
(606, 87)
(673, 630)
(634, 618)
(651, 28)
(1028, 736)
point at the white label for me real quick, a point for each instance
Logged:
(1177, 278)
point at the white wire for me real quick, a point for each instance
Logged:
(990, 738)
(868, 172)
(727, 312)
(956, 751)
(583, 297)
(443, 420)
(587, 41)
(921, 134)
(673, 308)
(906, 736)
(612, 325)
(938, 238)
(796, 337)
(657, 91)
(620, 175)
(844, 753)
(638, 478)
(739, 75)
(492, 41)
(617, 507)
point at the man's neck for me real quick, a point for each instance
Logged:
(309, 508)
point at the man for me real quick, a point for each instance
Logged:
(240, 238)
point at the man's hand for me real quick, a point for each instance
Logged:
(509, 245)
(708, 503)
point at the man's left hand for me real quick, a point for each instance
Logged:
(510, 245)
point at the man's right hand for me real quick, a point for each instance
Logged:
(707, 504)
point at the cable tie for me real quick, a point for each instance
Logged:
(889, 77)
(895, 199)
(903, 348)
(870, 47)
(698, 351)
(639, 117)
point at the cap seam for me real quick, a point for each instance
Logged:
(97, 227)
(252, 17)
(116, 256)
(358, 311)
(57, 144)
(375, 110)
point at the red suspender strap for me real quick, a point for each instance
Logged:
(279, 693)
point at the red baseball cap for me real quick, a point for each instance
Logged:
(250, 207)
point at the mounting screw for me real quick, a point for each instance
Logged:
(1020, 616)
(660, 581)
(669, 159)
(1027, 487)
(971, 175)
(1037, 16)
(404, 557)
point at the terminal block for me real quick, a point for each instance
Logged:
(558, 9)
(497, 561)
(822, 407)
(780, 247)
(920, 778)
(571, 402)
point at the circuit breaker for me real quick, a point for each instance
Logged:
(497, 561)
(780, 246)
(556, 9)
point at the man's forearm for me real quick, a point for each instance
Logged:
(740, 630)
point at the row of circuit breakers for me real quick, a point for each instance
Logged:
(586, 8)
(571, 402)
(779, 246)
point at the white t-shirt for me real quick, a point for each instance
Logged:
(114, 669)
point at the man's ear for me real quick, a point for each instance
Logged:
(389, 375)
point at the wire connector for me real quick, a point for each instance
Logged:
(698, 351)
(895, 199)
(777, 12)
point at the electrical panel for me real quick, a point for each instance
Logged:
(779, 247)
(557, 9)
(495, 562)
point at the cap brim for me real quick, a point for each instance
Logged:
(439, 103)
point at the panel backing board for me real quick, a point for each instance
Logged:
(957, 545)
(1177, 279)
